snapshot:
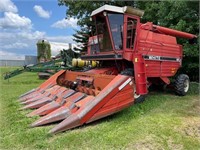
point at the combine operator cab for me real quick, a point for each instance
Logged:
(115, 32)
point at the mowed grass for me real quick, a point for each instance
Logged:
(163, 121)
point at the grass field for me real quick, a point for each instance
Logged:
(163, 121)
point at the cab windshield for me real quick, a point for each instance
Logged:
(116, 27)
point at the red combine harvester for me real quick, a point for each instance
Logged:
(131, 56)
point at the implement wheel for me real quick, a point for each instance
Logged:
(182, 84)
(138, 98)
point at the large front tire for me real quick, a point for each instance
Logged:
(182, 84)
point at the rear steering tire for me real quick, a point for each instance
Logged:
(182, 84)
(138, 98)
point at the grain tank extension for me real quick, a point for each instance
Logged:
(131, 57)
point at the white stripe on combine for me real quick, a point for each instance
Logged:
(124, 84)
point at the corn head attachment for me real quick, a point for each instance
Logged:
(77, 98)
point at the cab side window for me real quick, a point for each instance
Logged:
(131, 30)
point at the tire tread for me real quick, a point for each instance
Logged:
(179, 84)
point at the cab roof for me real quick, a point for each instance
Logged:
(116, 9)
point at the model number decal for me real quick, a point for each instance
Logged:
(161, 58)
(154, 57)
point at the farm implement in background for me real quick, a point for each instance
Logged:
(46, 69)
(131, 55)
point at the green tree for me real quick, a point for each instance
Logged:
(81, 36)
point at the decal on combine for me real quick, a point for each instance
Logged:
(161, 58)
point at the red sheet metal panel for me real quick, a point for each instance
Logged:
(169, 69)
(117, 103)
(62, 112)
(52, 80)
(153, 68)
(52, 105)
(155, 44)
(108, 95)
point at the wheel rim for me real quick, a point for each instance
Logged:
(135, 94)
(186, 85)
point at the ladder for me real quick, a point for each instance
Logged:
(140, 74)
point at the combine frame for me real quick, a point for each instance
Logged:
(131, 56)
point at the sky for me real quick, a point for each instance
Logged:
(24, 22)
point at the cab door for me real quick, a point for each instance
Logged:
(131, 24)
